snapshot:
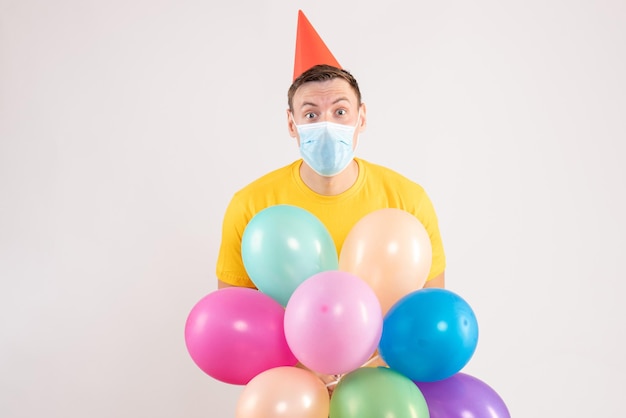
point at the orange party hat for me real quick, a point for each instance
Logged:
(310, 48)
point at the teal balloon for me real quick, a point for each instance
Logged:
(282, 246)
(377, 392)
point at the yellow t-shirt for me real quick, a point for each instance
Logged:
(376, 188)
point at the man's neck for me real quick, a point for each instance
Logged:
(330, 186)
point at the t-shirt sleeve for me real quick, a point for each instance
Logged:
(230, 268)
(426, 214)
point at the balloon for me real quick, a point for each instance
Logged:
(333, 322)
(287, 392)
(390, 249)
(462, 396)
(429, 335)
(235, 333)
(282, 246)
(375, 393)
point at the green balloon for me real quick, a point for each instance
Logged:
(377, 392)
(282, 246)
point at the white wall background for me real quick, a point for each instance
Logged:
(125, 127)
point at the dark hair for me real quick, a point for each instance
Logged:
(322, 72)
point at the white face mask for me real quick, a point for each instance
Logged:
(326, 146)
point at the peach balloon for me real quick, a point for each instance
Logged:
(284, 391)
(389, 249)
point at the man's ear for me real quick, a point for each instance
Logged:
(291, 125)
(362, 119)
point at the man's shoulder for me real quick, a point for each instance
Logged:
(269, 181)
(386, 175)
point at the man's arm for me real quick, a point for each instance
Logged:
(437, 281)
(222, 285)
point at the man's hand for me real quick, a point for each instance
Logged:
(330, 380)
(332, 385)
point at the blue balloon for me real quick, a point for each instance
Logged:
(429, 335)
(282, 246)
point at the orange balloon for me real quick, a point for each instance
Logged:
(284, 391)
(390, 249)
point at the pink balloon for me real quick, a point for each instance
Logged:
(235, 333)
(333, 322)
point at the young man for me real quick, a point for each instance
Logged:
(325, 116)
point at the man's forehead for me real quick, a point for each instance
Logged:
(332, 90)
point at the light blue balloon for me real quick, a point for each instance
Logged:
(282, 246)
(429, 335)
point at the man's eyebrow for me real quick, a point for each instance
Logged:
(340, 99)
(334, 102)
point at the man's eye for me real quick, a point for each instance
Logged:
(309, 115)
(341, 112)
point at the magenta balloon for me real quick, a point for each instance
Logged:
(333, 322)
(462, 396)
(235, 333)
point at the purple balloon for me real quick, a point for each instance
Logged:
(462, 396)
